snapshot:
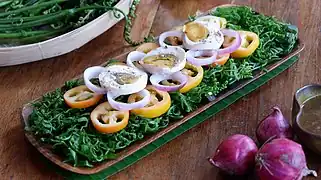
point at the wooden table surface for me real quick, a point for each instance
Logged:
(185, 157)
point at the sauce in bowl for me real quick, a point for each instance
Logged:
(310, 118)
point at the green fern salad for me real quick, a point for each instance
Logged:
(91, 120)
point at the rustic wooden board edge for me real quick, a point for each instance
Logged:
(141, 144)
(62, 44)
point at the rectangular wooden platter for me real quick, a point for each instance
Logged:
(140, 145)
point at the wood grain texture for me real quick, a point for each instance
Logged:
(184, 157)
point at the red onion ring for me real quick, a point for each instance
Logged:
(167, 34)
(133, 57)
(192, 54)
(128, 106)
(155, 79)
(236, 43)
(93, 72)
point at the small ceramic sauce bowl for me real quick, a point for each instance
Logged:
(303, 95)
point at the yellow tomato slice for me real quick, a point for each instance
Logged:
(147, 47)
(81, 97)
(195, 75)
(160, 102)
(250, 42)
(105, 119)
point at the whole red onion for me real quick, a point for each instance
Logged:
(281, 159)
(274, 125)
(235, 155)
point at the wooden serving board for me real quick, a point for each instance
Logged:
(148, 140)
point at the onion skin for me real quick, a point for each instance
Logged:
(155, 79)
(281, 159)
(191, 57)
(235, 155)
(234, 46)
(274, 126)
(93, 72)
(135, 56)
(167, 34)
(120, 106)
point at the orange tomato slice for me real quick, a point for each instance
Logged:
(221, 60)
(105, 119)
(81, 97)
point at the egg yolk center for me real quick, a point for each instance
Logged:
(125, 78)
(162, 60)
(195, 31)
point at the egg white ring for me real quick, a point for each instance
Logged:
(128, 106)
(174, 50)
(188, 44)
(134, 56)
(125, 89)
(209, 18)
(93, 72)
(167, 34)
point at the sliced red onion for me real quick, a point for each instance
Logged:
(135, 56)
(167, 34)
(93, 72)
(236, 43)
(192, 54)
(155, 79)
(128, 106)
